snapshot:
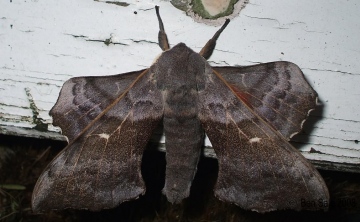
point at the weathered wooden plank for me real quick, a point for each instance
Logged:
(43, 43)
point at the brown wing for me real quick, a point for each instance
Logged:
(100, 168)
(258, 169)
(276, 91)
(84, 98)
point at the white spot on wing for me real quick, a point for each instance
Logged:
(293, 134)
(104, 135)
(254, 140)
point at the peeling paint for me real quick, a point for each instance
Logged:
(39, 122)
(211, 12)
(213, 9)
(9, 105)
(312, 150)
(183, 5)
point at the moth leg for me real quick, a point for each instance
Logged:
(208, 49)
(163, 41)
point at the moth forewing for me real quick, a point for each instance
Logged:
(258, 169)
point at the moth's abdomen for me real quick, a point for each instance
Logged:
(184, 137)
(183, 145)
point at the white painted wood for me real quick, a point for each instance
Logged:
(44, 43)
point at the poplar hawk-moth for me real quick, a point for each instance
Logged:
(249, 113)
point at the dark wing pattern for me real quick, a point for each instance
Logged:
(100, 168)
(276, 91)
(84, 98)
(258, 169)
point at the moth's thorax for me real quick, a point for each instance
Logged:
(178, 67)
(178, 74)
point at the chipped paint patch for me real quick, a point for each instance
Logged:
(212, 9)
(211, 12)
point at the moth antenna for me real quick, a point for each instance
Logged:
(209, 47)
(163, 41)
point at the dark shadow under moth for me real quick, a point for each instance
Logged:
(249, 113)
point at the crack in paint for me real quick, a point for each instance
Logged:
(146, 41)
(107, 41)
(123, 4)
(329, 70)
(262, 18)
(222, 62)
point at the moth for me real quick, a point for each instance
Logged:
(249, 113)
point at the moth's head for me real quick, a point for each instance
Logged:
(180, 53)
(178, 56)
(180, 48)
